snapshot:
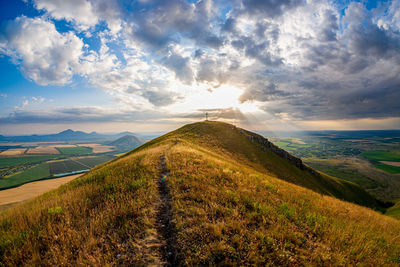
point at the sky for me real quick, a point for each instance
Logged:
(154, 65)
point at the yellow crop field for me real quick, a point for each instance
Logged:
(13, 152)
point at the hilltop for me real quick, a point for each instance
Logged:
(127, 142)
(208, 193)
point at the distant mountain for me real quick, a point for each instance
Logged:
(67, 135)
(127, 142)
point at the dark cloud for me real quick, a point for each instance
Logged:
(262, 92)
(180, 65)
(329, 31)
(270, 8)
(160, 98)
(159, 23)
(78, 115)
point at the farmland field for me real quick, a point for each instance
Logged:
(381, 156)
(13, 196)
(43, 150)
(93, 161)
(379, 159)
(76, 164)
(10, 162)
(13, 152)
(98, 148)
(35, 173)
(368, 158)
(65, 166)
(75, 150)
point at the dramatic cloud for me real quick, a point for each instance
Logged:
(292, 59)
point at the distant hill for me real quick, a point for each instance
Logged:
(67, 135)
(127, 142)
(207, 194)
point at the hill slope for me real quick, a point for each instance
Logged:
(253, 150)
(213, 203)
(127, 142)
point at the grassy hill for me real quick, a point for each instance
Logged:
(223, 197)
(127, 142)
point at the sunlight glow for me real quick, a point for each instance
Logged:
(204, 97)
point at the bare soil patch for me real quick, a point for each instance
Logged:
(391, 163)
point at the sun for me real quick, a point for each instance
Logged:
(225, 96)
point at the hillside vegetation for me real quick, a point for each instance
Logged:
(231, 204)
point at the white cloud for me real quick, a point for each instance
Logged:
(83, 14)
(80, 12)
(45, 55)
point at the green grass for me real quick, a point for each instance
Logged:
(342, 170)
(75, 150)
(382, 156)
(394, 211)
(10, 162)
(32, 174)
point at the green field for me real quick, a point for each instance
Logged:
(299, 145)
(10, 162)
(381, 156)
(376, 156)
(93, 161)
(75, 150)
(388, 168)
(282, 144)
(35, 173)
(45, 169)
(71, 165)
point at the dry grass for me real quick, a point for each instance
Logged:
(43, 150)
(99, 218)
(230, 214)
(13, 152)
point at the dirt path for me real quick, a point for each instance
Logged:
(11, 197)
(159, 246)
(165, 225)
